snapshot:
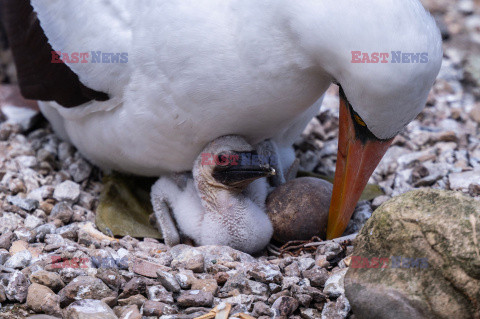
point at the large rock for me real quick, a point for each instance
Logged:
(429, 239)
(84, 287)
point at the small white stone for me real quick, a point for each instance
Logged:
(67, 191)
(20, 260)
(334, 287)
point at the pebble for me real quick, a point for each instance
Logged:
(168, 281)
(136, 285)
(80, 170)
(155, 308)
(334, 286)
(67, 191)
(43, 299)
(316, 275)
(84, 287)
(336, 310)
(24, 203)
(49, 279)
(20, 260)
(284, 307)
(61, 211)
(160, 294)
(184, 257)
(128, 312)
(89, 308)
(32, 222)
(17, 287)
(195, 298)
(462, 181)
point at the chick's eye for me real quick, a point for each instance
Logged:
(222, 159)
(359, 120)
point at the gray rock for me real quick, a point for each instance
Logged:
(32, 222)
(65, 150)
(168, 281)
(284, 307)
(111, 277)
(24, 203)
(44, 230)
(434, 269)
(187, 257)
(155, 308)
(317, 276)
(3, 296)
(292, 270)
(4, 255)
(334, 286)
(68, 232)
(80, 170)
(26, 162)
(67, 191)
(266, 273)
(185, 279)
(339, 309)
(89, 309)
(331, 250)
(6, 240)
(84, 287)
(17, 287)
(262, 309)
(308, 313)
(195, 298)
(61, 211)
(306, 263)
(20, 260)
(160, 294)
(9, 222)
(136, 285)
(24, 234)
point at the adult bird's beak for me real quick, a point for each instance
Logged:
(359, 153)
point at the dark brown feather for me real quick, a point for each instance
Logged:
(38, 77)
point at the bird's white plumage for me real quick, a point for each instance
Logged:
(202, 69)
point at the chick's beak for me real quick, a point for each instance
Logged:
(357, 158)
(242, 172)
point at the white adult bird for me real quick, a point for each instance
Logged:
(201, 69)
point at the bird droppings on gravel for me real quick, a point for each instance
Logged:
(52, 257)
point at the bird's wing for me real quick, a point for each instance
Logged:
(36, 28)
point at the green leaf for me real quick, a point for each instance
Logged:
(125, 207)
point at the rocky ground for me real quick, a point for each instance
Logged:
(53, 260)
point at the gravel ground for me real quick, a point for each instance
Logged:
(52, 256)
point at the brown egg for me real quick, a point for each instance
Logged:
(299, 208)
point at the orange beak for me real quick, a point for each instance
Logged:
(357, 158)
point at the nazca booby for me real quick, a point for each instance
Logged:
(202, 69)
(223, 203)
